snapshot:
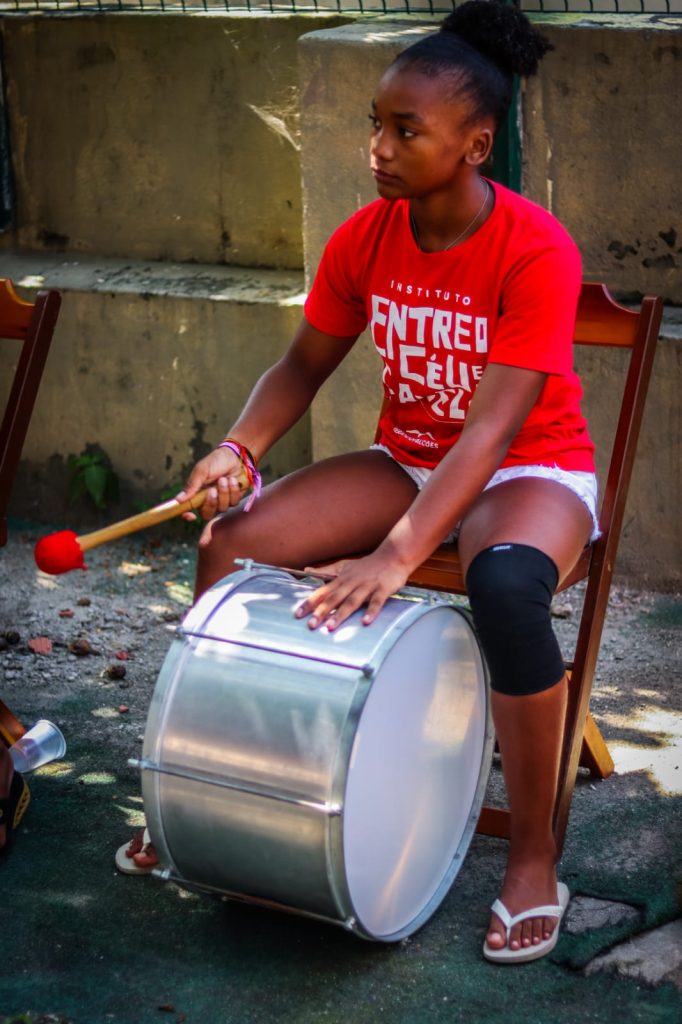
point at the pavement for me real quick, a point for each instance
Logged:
(82, 944)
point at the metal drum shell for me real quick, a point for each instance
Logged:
(258, 814)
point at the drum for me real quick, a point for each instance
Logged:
(339, 774)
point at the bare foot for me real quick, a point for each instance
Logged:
(532, 884)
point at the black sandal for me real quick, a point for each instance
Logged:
(13, 808)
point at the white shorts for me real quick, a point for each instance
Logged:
(583, 484)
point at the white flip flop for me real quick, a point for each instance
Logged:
(525, 953)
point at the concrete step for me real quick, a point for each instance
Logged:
(218, 282)
(151, 362)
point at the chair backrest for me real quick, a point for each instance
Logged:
(32, 324)
(601, 321)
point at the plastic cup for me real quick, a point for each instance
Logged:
(40, 745)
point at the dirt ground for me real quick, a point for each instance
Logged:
(109, 629)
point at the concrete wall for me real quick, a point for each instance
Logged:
(601, 147)
(184, 139)
(170, 138)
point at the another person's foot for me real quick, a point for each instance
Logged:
(532, 888)
(138, 857)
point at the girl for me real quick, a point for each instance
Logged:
(470, 292)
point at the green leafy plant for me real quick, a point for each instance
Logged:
(93, 475)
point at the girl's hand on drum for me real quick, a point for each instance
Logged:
(219, 471)
(367, 581)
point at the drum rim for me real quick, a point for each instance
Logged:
(338, 880)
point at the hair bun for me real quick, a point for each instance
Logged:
(501, 33)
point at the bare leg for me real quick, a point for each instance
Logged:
(547, 516)
(343, 505)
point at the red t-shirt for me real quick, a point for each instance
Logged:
(508, 294)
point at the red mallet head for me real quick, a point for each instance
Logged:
(58, 553)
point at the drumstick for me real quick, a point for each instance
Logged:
(63, 551)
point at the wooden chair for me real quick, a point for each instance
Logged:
(600, 321)
(32, 324)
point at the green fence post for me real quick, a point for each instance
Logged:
(506, 159)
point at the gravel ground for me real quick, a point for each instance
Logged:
(108, 630)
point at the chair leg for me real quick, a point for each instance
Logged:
(594, 754)
(494, 821)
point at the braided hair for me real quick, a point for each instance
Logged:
(480, 47)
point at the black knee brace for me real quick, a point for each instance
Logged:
(510, 590)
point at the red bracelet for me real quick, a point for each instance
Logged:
(249, 463)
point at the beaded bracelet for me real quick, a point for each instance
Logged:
(249, 463)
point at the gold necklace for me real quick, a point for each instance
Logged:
(461, 235)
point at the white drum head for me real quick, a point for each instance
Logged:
(414, 774)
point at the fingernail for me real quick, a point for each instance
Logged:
(312, 622)
(331, 624)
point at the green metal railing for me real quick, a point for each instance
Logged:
(339, 6)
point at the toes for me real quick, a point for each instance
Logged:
(527, 933)
(496, 937)
(523, 935)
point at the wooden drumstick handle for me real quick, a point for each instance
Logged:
(151, 517)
